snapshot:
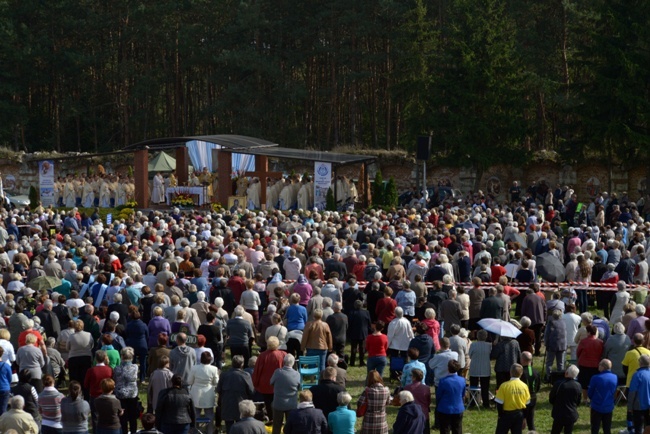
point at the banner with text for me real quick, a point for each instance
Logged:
(322, 183)
(46, 182)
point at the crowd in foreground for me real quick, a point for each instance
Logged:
(215, 314)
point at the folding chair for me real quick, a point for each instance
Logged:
(397, 367)
(620, 394)
(309, 369)
(202, 424)
(474, 397)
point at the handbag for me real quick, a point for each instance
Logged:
(363, 408)
(396, 402)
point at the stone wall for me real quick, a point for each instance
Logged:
(587, 178)
(19, 173)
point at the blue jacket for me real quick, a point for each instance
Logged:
(306, 420)
(202, 284)
(137, 335)
(296, 317)
(342, 421)
(449, 394)
(641, 385)
(602, 389)
(410, 419)
(5, 377)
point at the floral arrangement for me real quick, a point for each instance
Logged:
(131, 204)
(182, 199)
(216, 207)
(125, 213)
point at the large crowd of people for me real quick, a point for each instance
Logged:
(212, 315)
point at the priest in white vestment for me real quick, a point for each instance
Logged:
(158, 193)
(303, 195)
(87, 194)
(69, 194)
(253, 194)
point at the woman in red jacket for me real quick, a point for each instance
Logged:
(385, 309)
(267, 362)
(377, 346)
(590, 351)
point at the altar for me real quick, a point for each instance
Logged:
(190, 191)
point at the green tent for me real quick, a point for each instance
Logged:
(162, 163)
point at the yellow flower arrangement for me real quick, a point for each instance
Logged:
(183, 200)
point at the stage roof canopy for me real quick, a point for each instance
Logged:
(227, 141)
(253, 146)
(309, 155)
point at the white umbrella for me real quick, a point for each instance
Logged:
(499, 327)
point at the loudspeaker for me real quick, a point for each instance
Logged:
(423, 149)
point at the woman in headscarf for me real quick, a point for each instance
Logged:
(276, 282)
(304, 289)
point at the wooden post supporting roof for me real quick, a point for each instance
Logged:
(141, 174)
(225, 182)
(182, 161)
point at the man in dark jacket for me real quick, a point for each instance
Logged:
(603, 298)
(235, 385)
(350, 295)
(324, 394)
(49, 320)
(120, 308)
(410, 418)
(175, 408)
(374, 292)
(464, 267)
(220, 289)
(90, 325)
(626, 267)
(62, 312)
(306, 418)
(338, 323)
(435, 273)
(437, 296)
(555, 341)
(335, 265)
(248, 424)
(534, 307)
(565, 398)
(450, 312)
(358, 329)
(492, 306)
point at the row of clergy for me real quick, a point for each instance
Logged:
(110, 190)
(293, 192)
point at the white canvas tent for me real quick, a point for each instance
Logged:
(162, 162)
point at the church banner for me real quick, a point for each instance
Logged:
(322, 183)
(46, 182)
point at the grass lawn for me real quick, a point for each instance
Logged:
(476, 421)
(484, 421)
